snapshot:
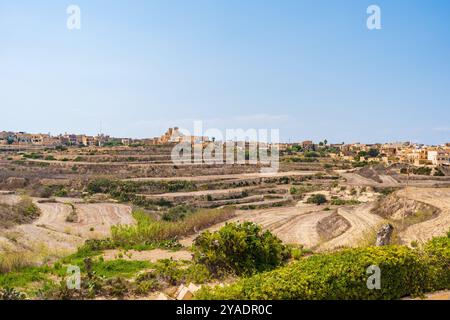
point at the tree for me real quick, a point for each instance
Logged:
(373, 153)
(362, 153)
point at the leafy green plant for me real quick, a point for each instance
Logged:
(242, 249)
(293, 190)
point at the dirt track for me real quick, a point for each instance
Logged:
(148, 255)
(437, 197)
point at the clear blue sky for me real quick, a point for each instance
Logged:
(310, 68)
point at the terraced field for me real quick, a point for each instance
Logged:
(423, 231)
(52, 230)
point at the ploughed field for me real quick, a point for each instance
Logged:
(62, 226)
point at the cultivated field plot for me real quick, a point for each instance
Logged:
(436, 197)
(62, 227)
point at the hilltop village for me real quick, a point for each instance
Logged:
(387, 153)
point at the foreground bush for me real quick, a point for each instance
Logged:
(317, 199)
(242, 249)
(342, 275)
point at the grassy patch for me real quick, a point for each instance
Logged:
(148, 230)
(22, 278)
(119, 268)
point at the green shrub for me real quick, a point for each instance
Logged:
(176, 213)
(27, 208)
(426, 171)
(62, 192)
(317, 199)
(311, 154)
(53, 190)
(386, 191)
(360, 164)
(241, 249)
(33, 155)
(293, 190)
(302, 159)
(343, 275)
(342, 202)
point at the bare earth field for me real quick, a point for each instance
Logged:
(52, 231)
(298, 225)
(362, 222)
(288, 223)
(355, 179)
(292, 224)
(437, 197)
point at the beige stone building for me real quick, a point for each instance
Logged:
(439, 157)
(307, 144)
(173, 136)
(87, 140)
